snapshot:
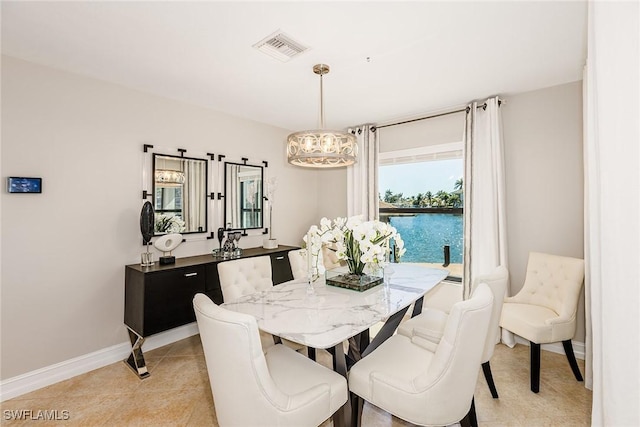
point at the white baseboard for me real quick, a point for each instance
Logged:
(34, 380)
(578, 347)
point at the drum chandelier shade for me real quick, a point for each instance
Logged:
(321, 148)
(170, 177)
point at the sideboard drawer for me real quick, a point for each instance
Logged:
(280, 268)
(168, 296)
(212, 287)
(160, 297)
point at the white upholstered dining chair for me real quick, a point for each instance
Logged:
(245, 276)
(300, 266)
(423, 382)
(330, 259)
(544, 311)
(431, 321)
(298, 263)
(252, 388)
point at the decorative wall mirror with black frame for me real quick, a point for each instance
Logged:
(179, 194)
(243, 196)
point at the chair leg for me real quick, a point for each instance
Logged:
(339, 417)
(568, 350)
(470, 420)
(472, 414)
(486, 369)
(535, 367)
(357, 405)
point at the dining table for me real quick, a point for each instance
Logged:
(321, 316)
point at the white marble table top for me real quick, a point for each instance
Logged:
(329, 315)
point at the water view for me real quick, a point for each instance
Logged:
(425, 234)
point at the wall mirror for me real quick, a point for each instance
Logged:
(179, 194)
(243, 196)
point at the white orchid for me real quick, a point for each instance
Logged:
(355, 241)
(169, 224)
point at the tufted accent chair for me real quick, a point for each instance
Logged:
(431, 322)
(544, 311)
(423, 383)
(244, 276)
(252, 388)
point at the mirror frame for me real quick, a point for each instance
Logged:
(205, 195)
(226, 199)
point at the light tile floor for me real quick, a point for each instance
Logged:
(177, 393)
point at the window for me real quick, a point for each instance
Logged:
(422, 197)
(169, 199)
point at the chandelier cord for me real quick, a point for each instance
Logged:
(321, 104)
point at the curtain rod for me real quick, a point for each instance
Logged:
(422, 118)
(483, 106)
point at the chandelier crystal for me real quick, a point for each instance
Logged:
(322, 148)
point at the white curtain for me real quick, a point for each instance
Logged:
(612, 212)
(362, 177)
(194, 203)
(485, 225)
(232, 196)
(484, 192)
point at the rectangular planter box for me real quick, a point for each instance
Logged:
(343, 279)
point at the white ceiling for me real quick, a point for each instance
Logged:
(424, 56)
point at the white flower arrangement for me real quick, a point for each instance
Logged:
(272, 185)
(355, 241)
(169, 224)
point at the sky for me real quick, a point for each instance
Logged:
(413, 178)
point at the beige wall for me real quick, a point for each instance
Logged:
(64, 251)
(544, 178)
(332, 193)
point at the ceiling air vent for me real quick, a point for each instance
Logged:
(280, 46)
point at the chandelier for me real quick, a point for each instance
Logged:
(170, 178)
(321, 148)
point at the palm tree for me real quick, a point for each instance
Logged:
(387, 196)
(458, 184)
(442, 197)
(454, 200)
(429, 196)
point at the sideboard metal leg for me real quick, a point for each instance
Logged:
(136, 359)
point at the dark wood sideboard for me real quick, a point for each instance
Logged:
(160, 297)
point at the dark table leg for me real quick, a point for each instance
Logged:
(343, 416)
(387, 331)
(360, 346)
(417, 307)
